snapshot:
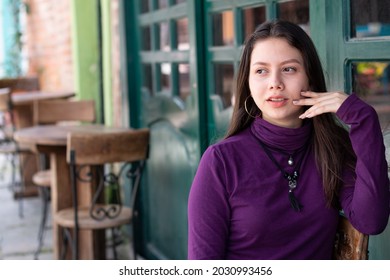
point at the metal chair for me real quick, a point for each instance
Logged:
(92, 157)
(10, 148)
(59, 112)
(350, 244)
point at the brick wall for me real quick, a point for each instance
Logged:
(48, 43)
(48, 46)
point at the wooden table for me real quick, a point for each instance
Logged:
(51, 139)
(22, 103)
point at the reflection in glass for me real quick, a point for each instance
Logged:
(162, 4)
(370, 18)
(184, 81)
(222, 28)
(144, 6)
(165, 74)
(164, 36)
(145, 38)
(371, 82)
(252, 18)
(295, 11)
(182, 34)
(147, 79)
(223, 77)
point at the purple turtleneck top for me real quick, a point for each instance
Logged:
(239, 206)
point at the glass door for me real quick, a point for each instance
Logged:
(353, 37)
(228, 23)
(163, 62)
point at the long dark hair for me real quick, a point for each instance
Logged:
(333, 149)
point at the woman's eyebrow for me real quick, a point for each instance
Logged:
(292, 60)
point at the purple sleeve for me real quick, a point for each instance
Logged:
(365, 200)
(208, 209)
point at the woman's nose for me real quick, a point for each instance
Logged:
(276, 82)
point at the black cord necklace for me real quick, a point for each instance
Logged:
(291, 177)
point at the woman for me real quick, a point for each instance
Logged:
(273, 188)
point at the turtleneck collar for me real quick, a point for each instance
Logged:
(288, 139)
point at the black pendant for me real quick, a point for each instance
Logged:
(294, 202)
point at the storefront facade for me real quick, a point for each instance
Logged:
(181, 59)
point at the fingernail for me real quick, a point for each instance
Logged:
(295, 101)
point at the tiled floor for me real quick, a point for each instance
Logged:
(19, 236)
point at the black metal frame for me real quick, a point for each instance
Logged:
(128, 171)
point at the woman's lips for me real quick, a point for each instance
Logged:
(280, 99)
(277, 102)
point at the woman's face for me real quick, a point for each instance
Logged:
(276, 77)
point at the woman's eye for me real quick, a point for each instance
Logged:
(289, 69)
(260, 71)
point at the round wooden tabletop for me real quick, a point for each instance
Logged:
(56, 135)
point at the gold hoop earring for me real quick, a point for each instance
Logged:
(245, 107)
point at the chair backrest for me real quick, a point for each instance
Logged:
(54, 111)
(7, 125)
(350, 244)
(5, 99)
(86, 151)
(21, 83)
(100, 148)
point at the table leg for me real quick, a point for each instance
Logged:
(92, 243)
(23, 118)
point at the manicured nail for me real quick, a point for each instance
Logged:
(295, 101)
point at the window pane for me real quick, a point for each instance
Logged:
(222, 28)
(252, 18)
(182, 34)
(370, 18)
(224, 75)
(371, 81)
(144, 6)
(295, 11)
(145, 37)
(184, 81)
(147, 79)
(162, 4)
(164, 36)
(165, 75)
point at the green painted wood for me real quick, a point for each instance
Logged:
(177, 11)
(131, 63)
(160, 56)
(85, 51)
(213, 6)
(161, 229)
(225, 53)
(318, 28)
